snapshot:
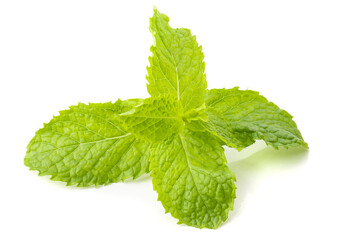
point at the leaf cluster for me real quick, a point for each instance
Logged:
(177, 134)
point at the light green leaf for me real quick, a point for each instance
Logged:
(177, 64)
(154, 120)
(192, 179)
(240, 117)
(196, 114)
(87, 145)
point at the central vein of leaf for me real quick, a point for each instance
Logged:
(178, 83)
(177, 76)
(190, 170)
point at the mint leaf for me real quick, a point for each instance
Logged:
(156, 119)
(177, 64)
(87, 145)
(192, 179)
(240, 117)
(196, 114)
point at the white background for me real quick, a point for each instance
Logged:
(302, 55)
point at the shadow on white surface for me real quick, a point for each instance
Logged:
(142, 178)
(252, 163)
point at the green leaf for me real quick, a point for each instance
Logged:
(177, 64)
(156, 119)
(240, 117)
(196, 114)
(87, 145)
(192, 179)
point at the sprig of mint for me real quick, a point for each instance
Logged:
(177, 134)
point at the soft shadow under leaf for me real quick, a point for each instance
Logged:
(250, 163)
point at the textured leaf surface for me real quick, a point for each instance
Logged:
(240, 117)
(156, 119)
(86, 145)
(192, 179)
(177, 64)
